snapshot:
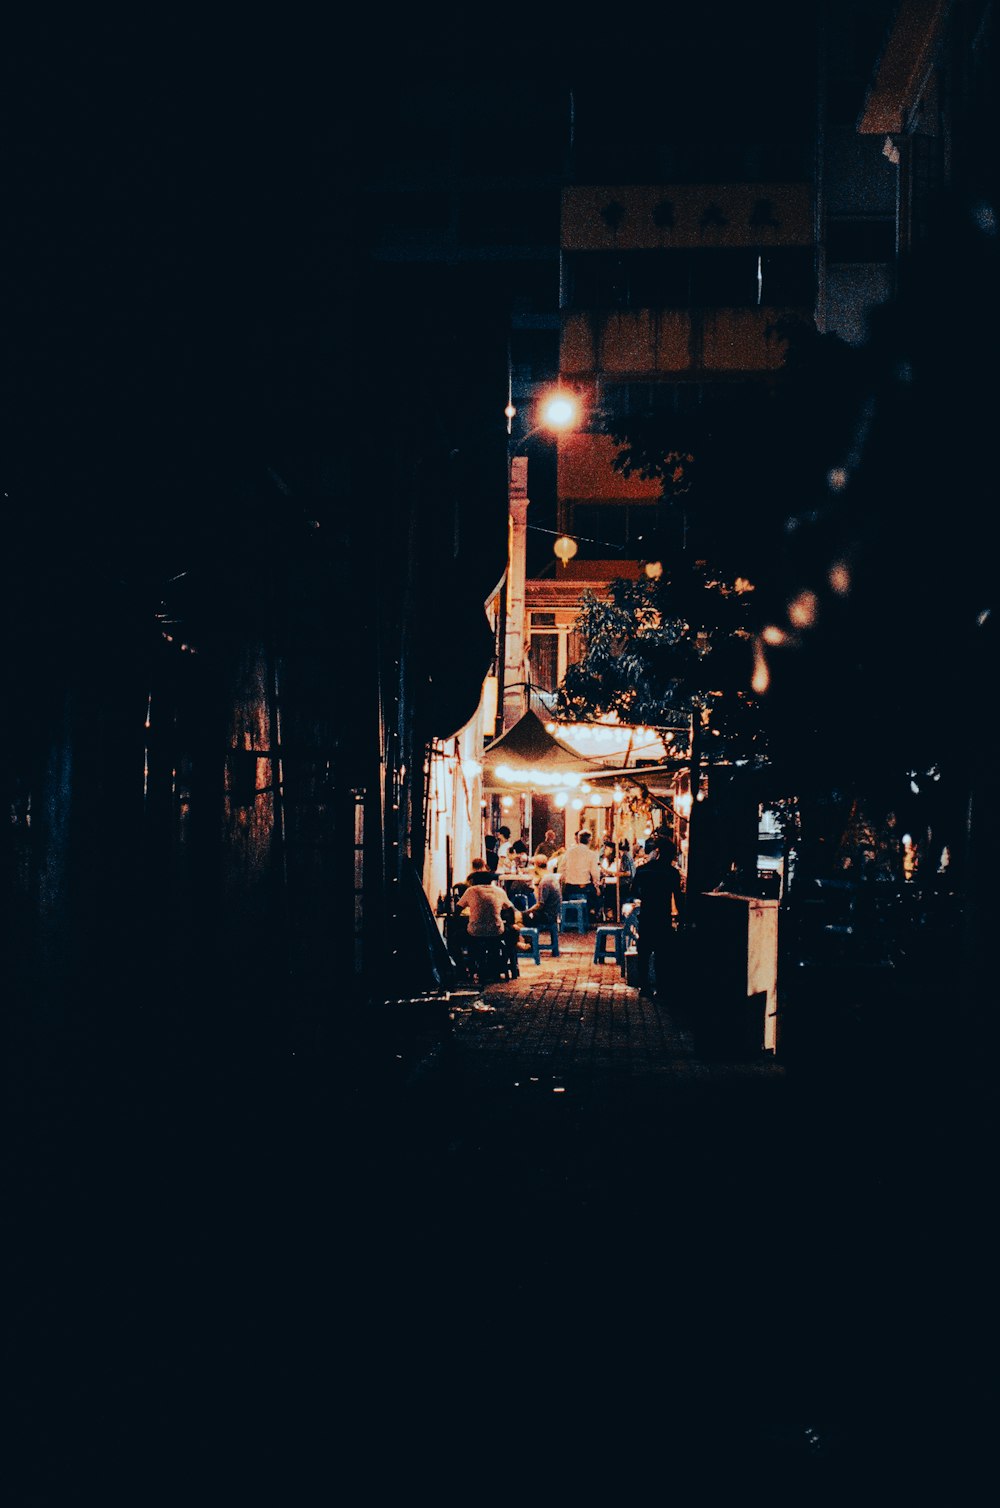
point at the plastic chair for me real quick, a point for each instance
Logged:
(552, 946)
(573, 914)
(489, 958)
(614, 935)
(530, 935)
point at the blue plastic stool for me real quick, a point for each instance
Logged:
(530, 934)
(573, 914)
(601, 939)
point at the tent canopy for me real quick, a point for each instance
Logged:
(530, 758)
(527, 757)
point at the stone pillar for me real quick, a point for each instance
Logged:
(515, 667)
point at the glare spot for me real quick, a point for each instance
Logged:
(761, 674)
(802, 610)
(983, 617)
(840, 579)
(985, 218)
(837, 479)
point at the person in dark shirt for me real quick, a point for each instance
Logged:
(657, 886)
(545, 912)
(548, 845)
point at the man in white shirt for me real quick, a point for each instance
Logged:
(484, 904)
(580, 873)
(490, 915)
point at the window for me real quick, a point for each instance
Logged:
(605, 529)
(628, 279)
(535, 355)
(543, 660)
(630, 400)
(708, 279)
(724, 279)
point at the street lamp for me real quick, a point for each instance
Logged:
(557, 410)
(560, 410)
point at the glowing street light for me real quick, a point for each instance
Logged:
(560, 410)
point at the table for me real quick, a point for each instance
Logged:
(507, 877)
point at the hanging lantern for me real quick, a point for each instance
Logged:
(565, 548)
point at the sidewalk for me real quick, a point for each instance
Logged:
(576, 1026)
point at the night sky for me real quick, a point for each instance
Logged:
(185, 239)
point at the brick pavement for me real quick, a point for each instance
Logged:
(576, 1026)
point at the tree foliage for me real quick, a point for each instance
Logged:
(661, 650)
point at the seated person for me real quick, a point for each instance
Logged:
(518, 855)
(480, 873)
(489, 915)
(521, 893)
(545, 912)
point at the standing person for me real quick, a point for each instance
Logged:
(581, 874)
(490, 852)
(503, 842)
(626, 870)
(657, 886)
(609, 876)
